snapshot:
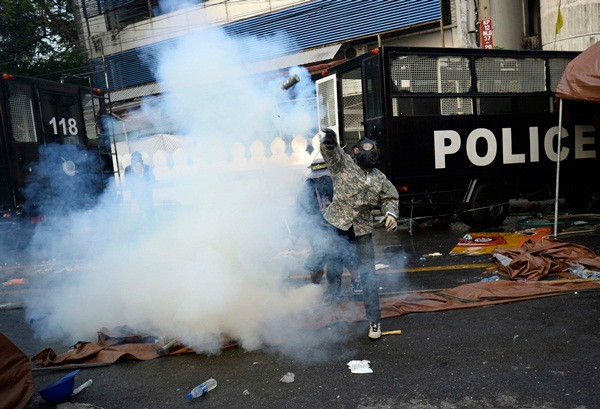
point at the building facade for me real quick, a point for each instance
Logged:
(318, 33)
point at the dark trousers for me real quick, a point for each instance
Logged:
(348, 248)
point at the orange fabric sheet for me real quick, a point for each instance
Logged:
(486, 242)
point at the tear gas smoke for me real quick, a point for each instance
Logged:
(208, 268)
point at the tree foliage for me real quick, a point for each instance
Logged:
(39, 37)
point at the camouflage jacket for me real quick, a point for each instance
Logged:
(356, 191)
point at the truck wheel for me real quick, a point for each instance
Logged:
(489, 205)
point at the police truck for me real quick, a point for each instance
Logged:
(463, 131)
(35, 113)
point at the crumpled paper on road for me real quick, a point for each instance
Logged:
(360, 366)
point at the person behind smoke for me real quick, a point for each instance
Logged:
(358, 187)
(314, 198)
(140, 179)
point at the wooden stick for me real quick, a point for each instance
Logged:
(71, 366)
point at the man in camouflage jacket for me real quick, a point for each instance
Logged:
(358, 187)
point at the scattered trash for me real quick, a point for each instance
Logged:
(163, 347)
(436, 254)
(581, 271)
(255, 363)
(288, 377)
(394, 332)
(360, 366)
(380, 266)
(492, 278)
(15, 281)
(246, 392)
(505, 261)
(82, 387)
(61, 390)
(485, 242)
(422, 258)
(515, 338)
(202, 389)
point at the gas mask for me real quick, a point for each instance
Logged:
(367, 155)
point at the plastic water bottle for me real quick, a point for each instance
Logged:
(492, 278)
(202, 389)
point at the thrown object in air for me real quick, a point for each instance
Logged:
(61, 390)
(290, 82)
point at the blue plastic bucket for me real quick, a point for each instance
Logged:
(61, 390)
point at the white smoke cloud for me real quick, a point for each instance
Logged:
(208, 268)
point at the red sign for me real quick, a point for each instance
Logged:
(486, 35)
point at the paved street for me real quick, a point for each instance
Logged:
(542, 353)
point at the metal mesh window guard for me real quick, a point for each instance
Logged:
(423, 74)
(456, 106)
(557, 68)
(21, 117)
(405, 106)
(352, 104)
(328, 104)
(510, 75)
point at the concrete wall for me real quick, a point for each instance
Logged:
(581, 24)
(507, 20)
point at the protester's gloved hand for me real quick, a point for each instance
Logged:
(329, 140)
(389, 222)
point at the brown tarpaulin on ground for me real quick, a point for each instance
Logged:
(465, 296)
(16, 381)
(581, 79)
(108, 349)
(547, 257)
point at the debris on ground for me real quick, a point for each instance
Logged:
(436, 254)
(288, 377)
(580, 271)
(164, 346)
(393, 332)
(486, 242)
(360, 366)
(381, 266)
(82, 387)
(246, 392)
(545, 258)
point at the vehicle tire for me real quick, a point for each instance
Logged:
(489, 205)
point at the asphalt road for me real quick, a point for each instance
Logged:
(542, 353)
